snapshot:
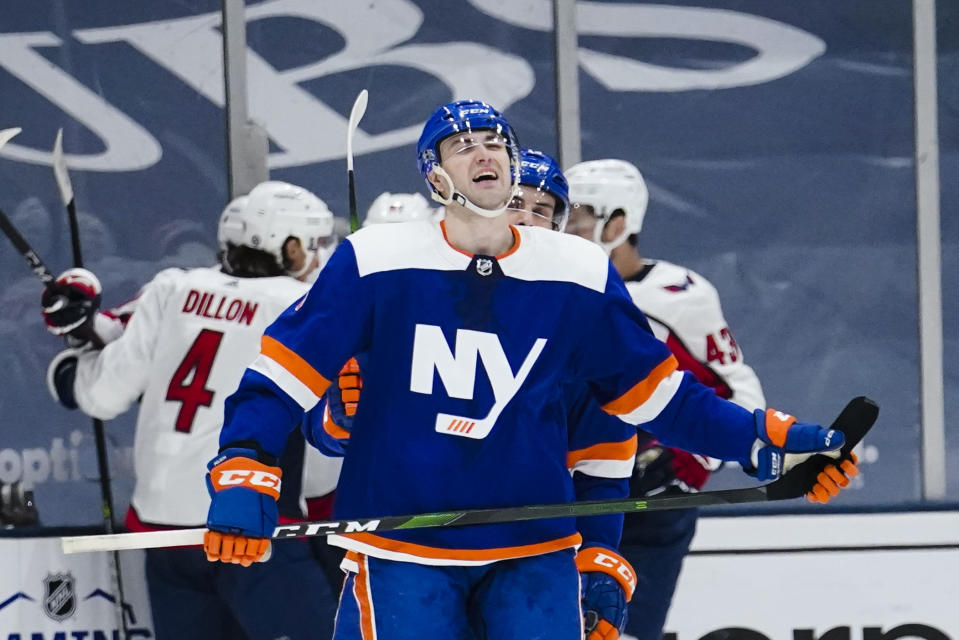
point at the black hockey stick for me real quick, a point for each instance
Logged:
(20, 244)
(103, 465)
(854, 421)
(356, 114)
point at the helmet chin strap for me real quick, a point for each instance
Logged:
(459, 198)
(598, 236)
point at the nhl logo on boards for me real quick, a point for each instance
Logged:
(484, 266)
(59, 596)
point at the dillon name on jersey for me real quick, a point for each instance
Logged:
(218, 306)
(468, 357)
(184, 349)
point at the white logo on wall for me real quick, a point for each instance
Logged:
(59, 596)
(781, 49)
(305, 130)
(61, 462)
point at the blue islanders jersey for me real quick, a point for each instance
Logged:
(468, 358)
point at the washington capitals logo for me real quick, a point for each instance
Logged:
(59, 596)
(675, 288)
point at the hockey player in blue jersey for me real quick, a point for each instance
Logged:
(540, 200)
(427, 303)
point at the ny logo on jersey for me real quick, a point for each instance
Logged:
(457, 370)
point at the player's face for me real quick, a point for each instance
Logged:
(582, 220)
(533, 207)
(478, 164)
(297, 258)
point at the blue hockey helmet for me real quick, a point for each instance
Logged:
(542, 172)
(458, 117)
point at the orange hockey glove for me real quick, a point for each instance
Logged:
(350, 384)
(608, 583)
(243, 511)
(832, 480)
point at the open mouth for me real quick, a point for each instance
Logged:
(487, 175)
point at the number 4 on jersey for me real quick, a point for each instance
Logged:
(194, 394)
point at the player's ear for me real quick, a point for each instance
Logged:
(438, 182)
(614, 228)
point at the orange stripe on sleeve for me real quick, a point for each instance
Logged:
(603, 451)
(297, 366)
(642, 390)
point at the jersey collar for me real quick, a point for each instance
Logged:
(505, 254)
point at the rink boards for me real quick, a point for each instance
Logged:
(837, 577)
(853, 577)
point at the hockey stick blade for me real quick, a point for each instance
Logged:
(65, 186)
(854, 421)
(7, 134)
(356, 114)
(60, 171)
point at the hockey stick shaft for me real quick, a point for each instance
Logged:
(356, 114)
(20, 244)
(854, 421)
(185, 537)
(65, 186)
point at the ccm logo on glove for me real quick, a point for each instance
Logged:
(247, 473)
(595, 559)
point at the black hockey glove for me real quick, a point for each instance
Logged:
(70, 303)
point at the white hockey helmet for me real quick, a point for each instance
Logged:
(607, 186)
(274, 212)
(398, 207)
(230, 225)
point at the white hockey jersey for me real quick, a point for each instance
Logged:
(183, 352)
(684, 311)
